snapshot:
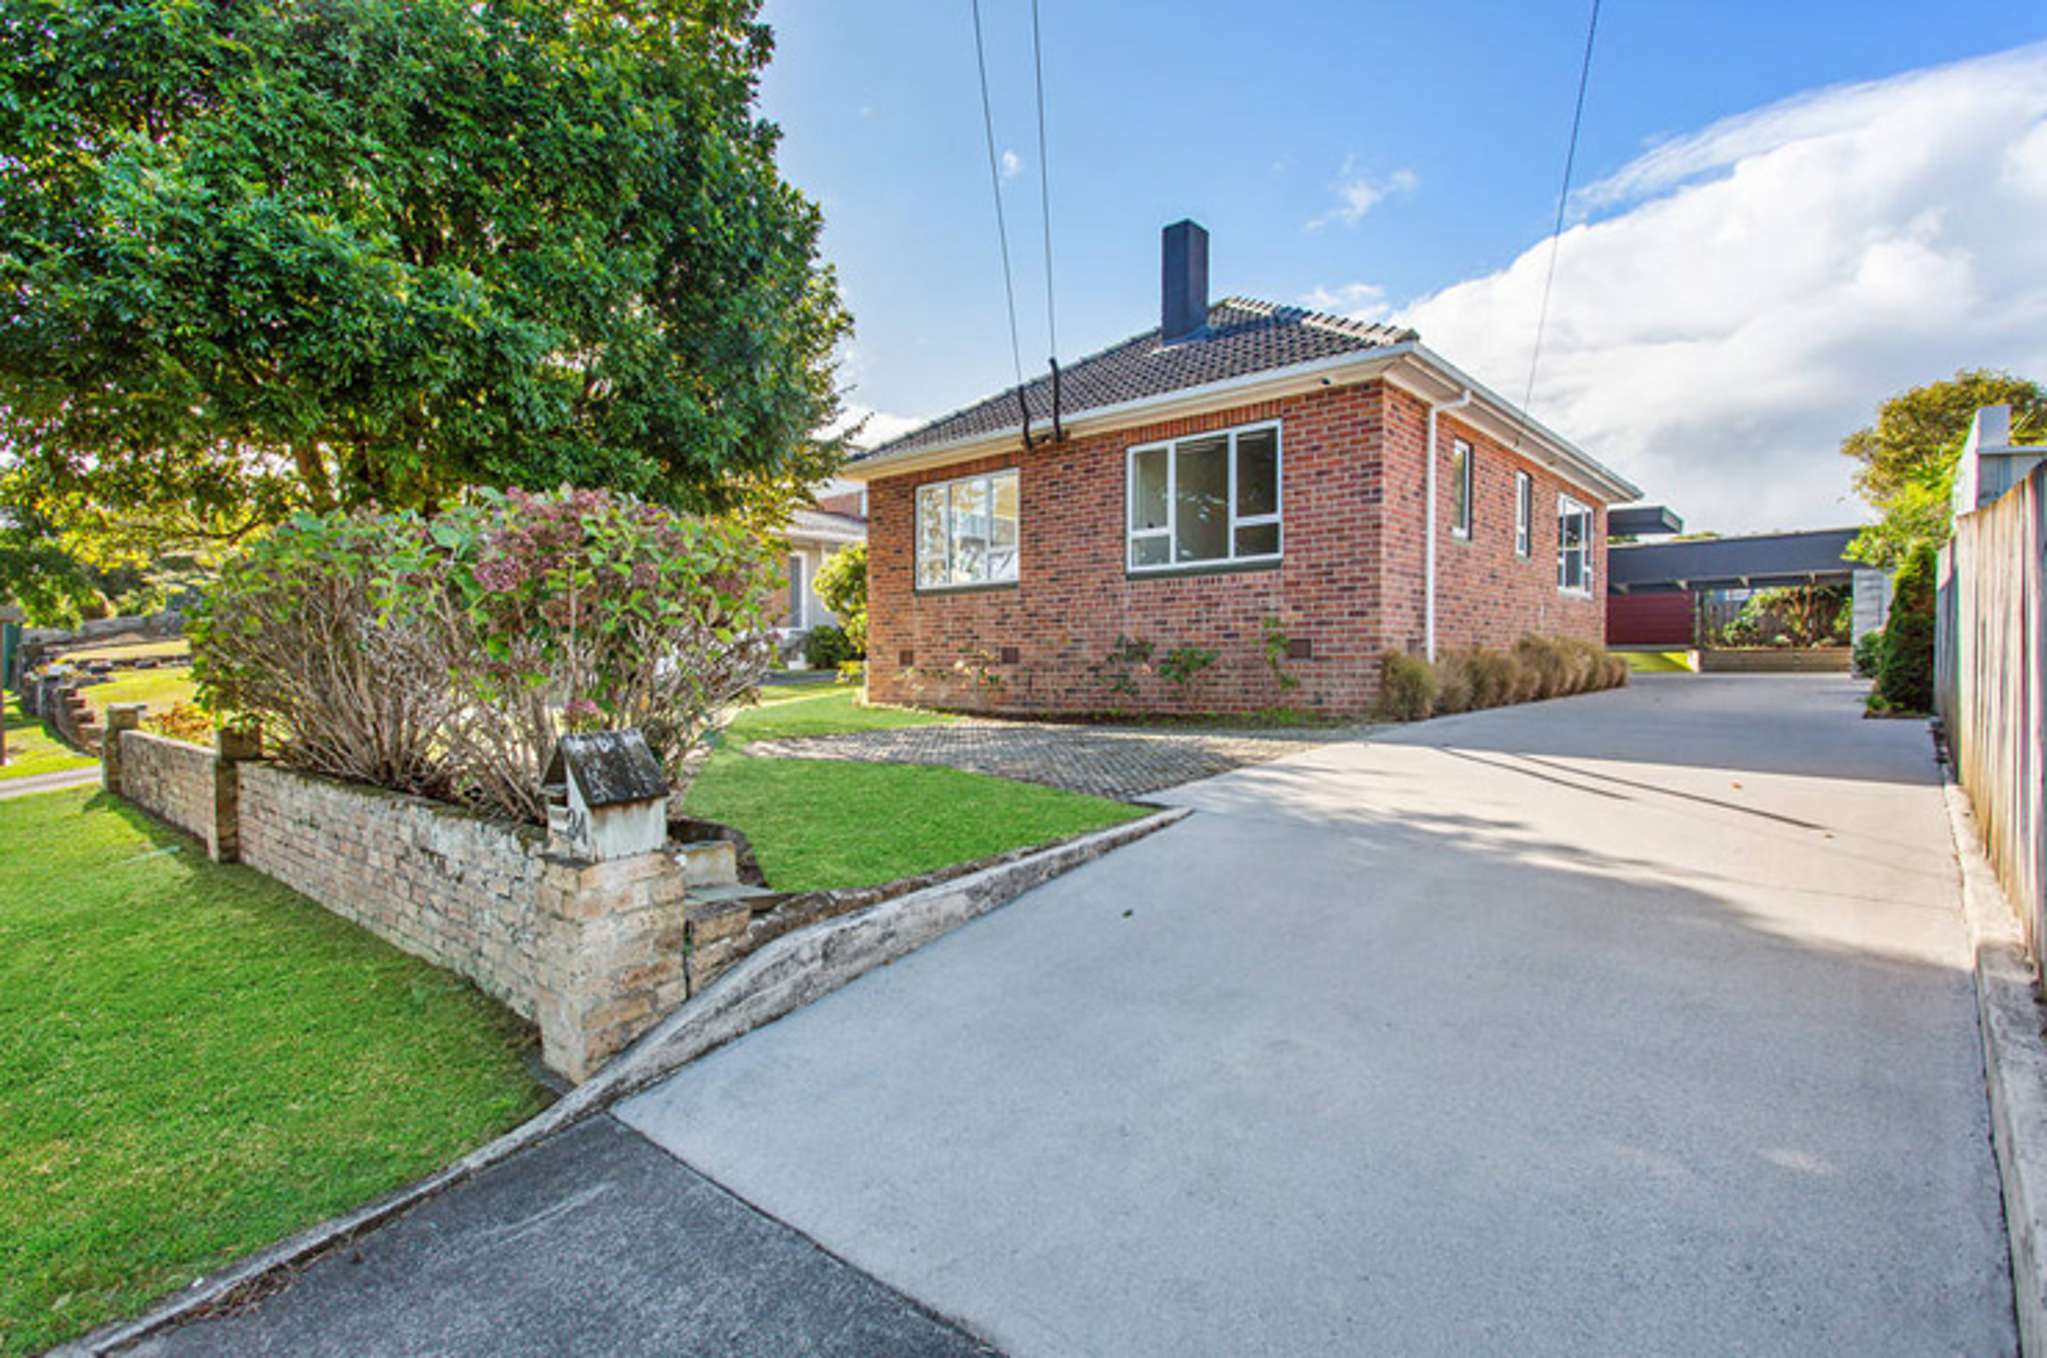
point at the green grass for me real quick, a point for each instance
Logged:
(33, 748)
(198, 1062)
(818, 823)
(1658, 662)
(831, 712)
(161, 689)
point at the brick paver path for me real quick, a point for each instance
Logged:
(1109, 761)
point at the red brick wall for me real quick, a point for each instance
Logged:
(1350, 585)
(1485, 594)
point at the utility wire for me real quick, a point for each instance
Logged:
(995, 182)
(1044, 185)
(1556, 234)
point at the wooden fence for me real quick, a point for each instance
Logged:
(1988, 678)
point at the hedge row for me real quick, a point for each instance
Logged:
(1411, 688)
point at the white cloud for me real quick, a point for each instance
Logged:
(1012, 165)
(1756, 287)
(1359, 301)
(1358, 194)
(878, 428)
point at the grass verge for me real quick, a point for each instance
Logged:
(832, 712)
(199, 1062)
(161, 689)
(33, 748)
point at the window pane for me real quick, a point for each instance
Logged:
(1149, 551)
(1201, 516)
(1148, 490)
(1257, 473)
(1002, 549)
(1260, 539)
(931, 568)
(971, 530)
(1460, 480)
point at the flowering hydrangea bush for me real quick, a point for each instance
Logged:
(444, 656)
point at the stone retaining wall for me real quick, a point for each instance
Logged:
(591, 952)
(170, 778)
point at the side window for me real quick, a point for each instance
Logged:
(1524, 513)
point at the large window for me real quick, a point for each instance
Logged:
(1460, 482)
(1524, 513)
(1574, 546)
(1208, 500)
(967, 531)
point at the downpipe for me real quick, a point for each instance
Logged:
(1429, 550)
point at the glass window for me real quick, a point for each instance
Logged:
(1460, 481)
(1524, 513)
(1574, 546)
(968, 531)
(1212, 498)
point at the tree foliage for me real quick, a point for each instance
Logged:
(1907, 458)
(841, 585)
(264, 257)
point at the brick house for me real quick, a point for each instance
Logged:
(1243, 470)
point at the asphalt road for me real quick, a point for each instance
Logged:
(1633, 1023)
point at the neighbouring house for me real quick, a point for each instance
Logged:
(836, 519)
(1248, 479)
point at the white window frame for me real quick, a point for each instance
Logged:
(1171, 532)
(988, 478)
(1463, 488)
(1566, 507)
(1524, 514)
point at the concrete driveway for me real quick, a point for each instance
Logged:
(1632, 1023)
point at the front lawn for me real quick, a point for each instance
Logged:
(818, 823)
(198, 1062)
(32, 748)
(831, 712)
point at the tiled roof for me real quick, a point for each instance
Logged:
(1243, 336)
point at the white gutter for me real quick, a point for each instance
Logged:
(1429, 567)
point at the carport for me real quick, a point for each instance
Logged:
(1653, 589)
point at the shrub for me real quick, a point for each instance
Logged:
(1904, 672)
(1407, 687)
(1545, 664)
(852, 672)
(826, 647)
(446, 656)
(1617, 671)
(181, 721)
(1276, 644)
(841, 586)
(1453, 684)
(1869, 649)
(1495, 677)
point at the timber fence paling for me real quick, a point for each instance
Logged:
(1991, 659)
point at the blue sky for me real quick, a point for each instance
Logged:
(1404, 160)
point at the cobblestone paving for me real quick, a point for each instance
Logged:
(1108, 761)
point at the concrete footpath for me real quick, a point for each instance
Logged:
(1634, 1023)
(595, 1242)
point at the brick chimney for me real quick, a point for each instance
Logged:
(1183, 286)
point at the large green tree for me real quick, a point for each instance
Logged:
(262, 255)
(1908, 457)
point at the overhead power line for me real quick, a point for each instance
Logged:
(1044, 186)
(995, 183)
(1556, 234)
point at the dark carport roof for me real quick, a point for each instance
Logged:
(1761, 561)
